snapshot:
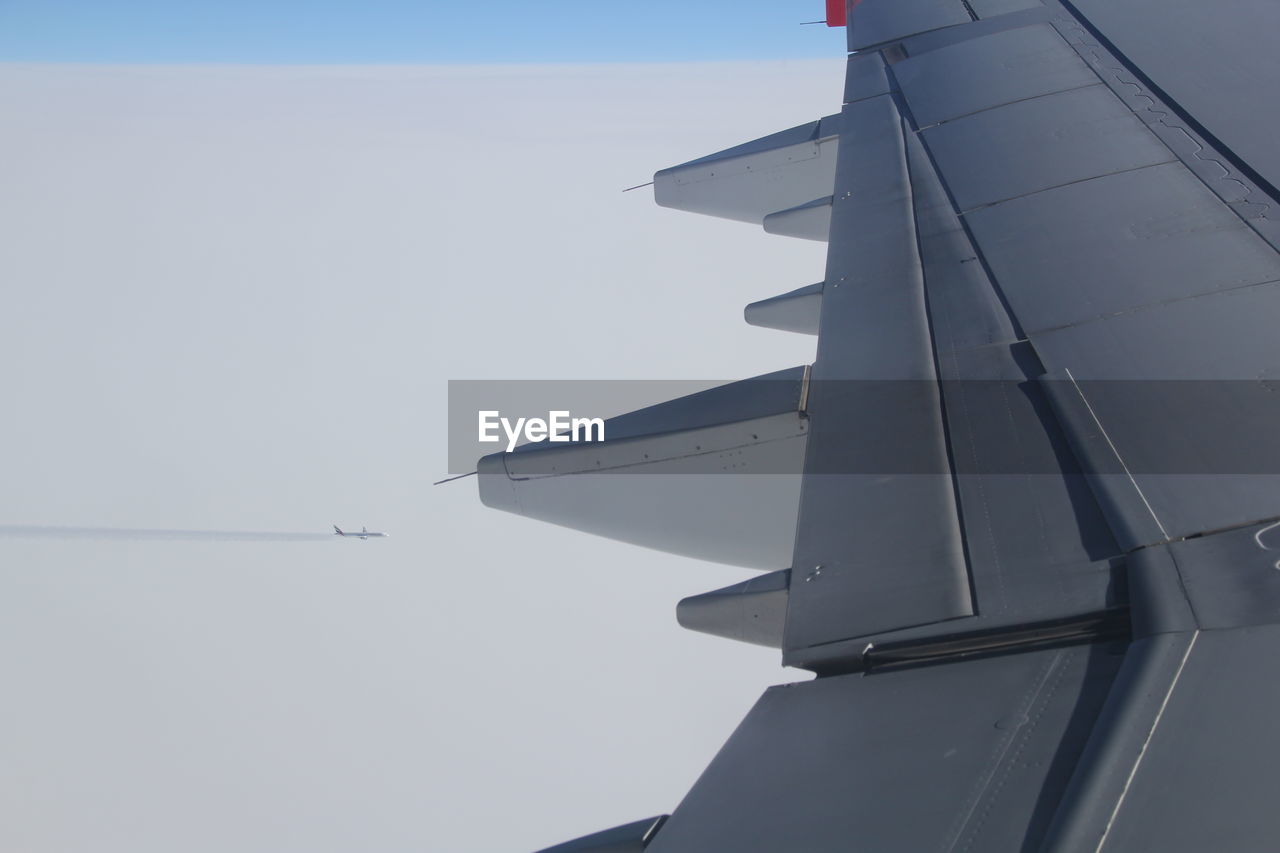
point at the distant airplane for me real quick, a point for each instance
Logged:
(363, 534)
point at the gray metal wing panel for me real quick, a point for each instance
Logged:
(1221, 169)
(878, 543)
(969, 756)
(966, 309)
(1230, 579)
(985, 72)
(1195, 434)
(1129, 515)
(865, 77)
(1190, 765)
(1038, 545)
(1150, 665)
(875, 22)
(992, 8)
(1182, 755)
(1217, 61)
(935, 39)
(1034, 145)
(1116, 243)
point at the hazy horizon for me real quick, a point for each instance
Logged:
(235, 298)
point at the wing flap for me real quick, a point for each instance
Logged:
(946, 757)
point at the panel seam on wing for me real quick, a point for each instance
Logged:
(1147, 743)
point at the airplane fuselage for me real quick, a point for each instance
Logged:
(360, 534)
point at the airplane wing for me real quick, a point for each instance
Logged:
(1020, 516)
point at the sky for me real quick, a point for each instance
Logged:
(411, 31)
(235, 297)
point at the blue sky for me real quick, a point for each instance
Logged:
(404, 31)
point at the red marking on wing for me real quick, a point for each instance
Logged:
(836, 12)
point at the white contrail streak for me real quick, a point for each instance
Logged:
(35, 531)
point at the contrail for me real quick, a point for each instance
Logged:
(34, 531)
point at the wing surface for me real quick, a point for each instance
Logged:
(1036, 562)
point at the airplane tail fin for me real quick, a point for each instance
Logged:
(338, 530)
